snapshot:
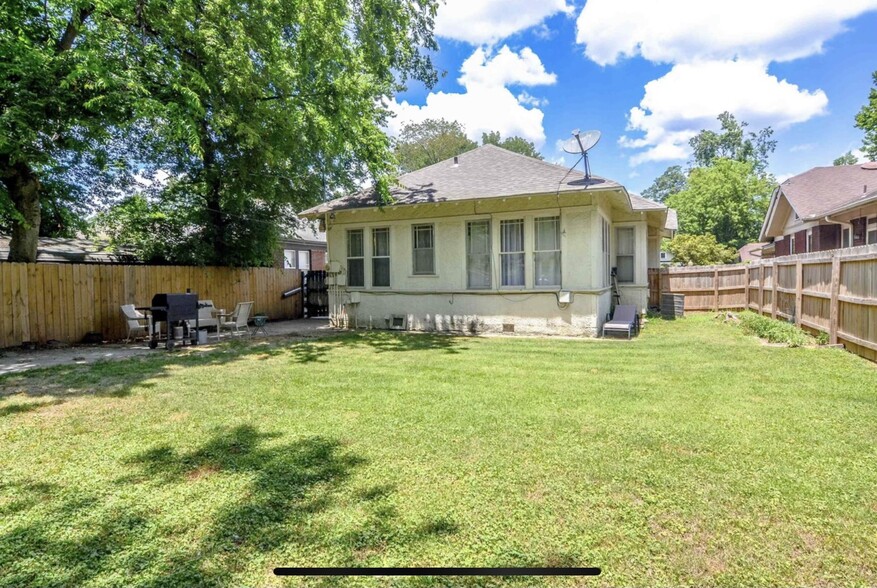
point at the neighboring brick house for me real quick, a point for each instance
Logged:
(304, 248)
(821, 209)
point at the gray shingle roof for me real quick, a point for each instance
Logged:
(824, 190)
(59, 250)
(637, 202)
(486, 172)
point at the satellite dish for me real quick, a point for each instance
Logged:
(581, 143)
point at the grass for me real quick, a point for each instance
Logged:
(693, 455)
(775, 331)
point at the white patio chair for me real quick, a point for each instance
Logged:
(239, 319)
(133, 320)
(206, 316)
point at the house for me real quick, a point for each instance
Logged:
(491, 240)
(750, 252)
(71, 250)
(824, 208)
(303, 248)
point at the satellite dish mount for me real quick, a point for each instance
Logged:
(581, 143)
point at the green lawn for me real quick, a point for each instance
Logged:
(693, 455)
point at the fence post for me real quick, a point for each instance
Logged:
(716, 287)
(746, 288)
(773, 296)
(761, 288)
(833, 310)
(799, 288)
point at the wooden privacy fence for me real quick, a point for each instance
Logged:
(830, 291)
(43, 301)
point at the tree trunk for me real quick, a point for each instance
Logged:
(213, 188)
(24, 191)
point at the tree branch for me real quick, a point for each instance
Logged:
(72, 30)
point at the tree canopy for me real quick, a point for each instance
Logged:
(253, 109)
(672, 181)
(516, 144)
(866, 120)
(699, 250)
(846, 159)
(733, 141)
(431, 141)
(728, 199)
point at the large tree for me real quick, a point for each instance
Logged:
(516, 144)
(672, 181)
(866, 120)
(728, 199)
(67, 74)
(733, 141)
(271, 104)
(431, 141)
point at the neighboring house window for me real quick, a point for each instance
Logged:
(511, 252)
(289, 259)
(381, 258)
(304, 260)
(792, 245)
(872, 231)
(546, 254)
(478, 254)
(607, 266)
(355, 258)
(423, 237)
(624, 256)
(809, 240)
(846, 237)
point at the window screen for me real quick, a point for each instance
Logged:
(355, 259)
(424, 249)
(478, 254)
(381, 258)
(624, 255)
(511, 252)
(546, 254)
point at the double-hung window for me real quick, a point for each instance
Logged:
(381, 258)
(625, 243)
(846, 238)
(809, 240)
(289, 259)
(423, 239)
(478, 254)
(872, 231)
(511, 252)
(546, 253)
(355, 258)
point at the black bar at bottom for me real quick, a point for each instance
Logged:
(436, 571)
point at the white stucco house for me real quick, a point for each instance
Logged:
(491, 241)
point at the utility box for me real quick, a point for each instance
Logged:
(564, 297)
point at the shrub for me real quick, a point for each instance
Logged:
(773, 330)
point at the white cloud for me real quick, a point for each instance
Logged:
(783, 177)
(689, 97)
(527, 99)
(673, 31)
(487, 104)
(802, 147)
(859, 155)
(482, 22)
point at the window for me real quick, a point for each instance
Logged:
(355, 259)
(846, 237)
(289, 258)
(511, 252)
(381, 258)
(423, 239)
(625, 243)
(546, 253)
(304, 260)
(478, 254)
(872, 231)
(791, 244)
(607, 266)
(809, 240)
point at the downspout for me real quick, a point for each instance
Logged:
(843, 225)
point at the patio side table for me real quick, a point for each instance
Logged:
(259, 322)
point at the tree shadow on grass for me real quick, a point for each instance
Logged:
(379, 342)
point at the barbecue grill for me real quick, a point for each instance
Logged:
(174, 310)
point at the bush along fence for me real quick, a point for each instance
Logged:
(40, 302)
(834, 292)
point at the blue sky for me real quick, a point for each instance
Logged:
(650, 74)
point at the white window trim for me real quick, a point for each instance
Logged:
(808, 243)
(848, 231)
(388, 257)
(522, 252)
(434, 273)
(490, 252)
(559, 251)
(363, 257)
(632, 227)
(870, 228)
(792, 244)
(294, 259)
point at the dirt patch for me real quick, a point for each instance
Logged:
(202, 472)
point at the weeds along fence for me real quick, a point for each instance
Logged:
(44, 301)
(830, 291)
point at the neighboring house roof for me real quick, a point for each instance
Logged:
(486, 172)
(305, 232)
(59, 250)
(823, 191)
(750, 251)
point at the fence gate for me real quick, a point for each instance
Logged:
(315, 292)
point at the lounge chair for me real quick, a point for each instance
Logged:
(625, 320)
(206, 316)
(239, 318)
(133, 320)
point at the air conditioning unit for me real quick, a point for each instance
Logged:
(564, 297)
